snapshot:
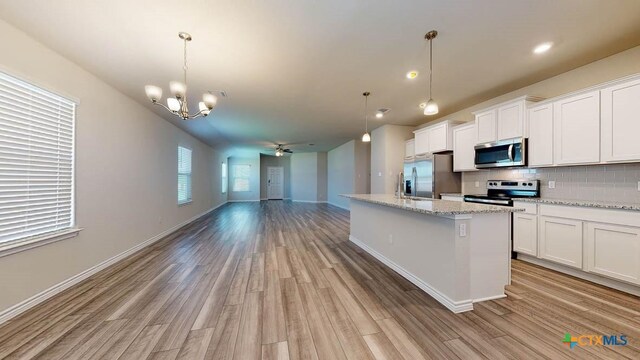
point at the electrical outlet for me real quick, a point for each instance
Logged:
(379, 174)
(463, 230)
(391, 239)
(477, 183)
(638, 185)
(552, 184)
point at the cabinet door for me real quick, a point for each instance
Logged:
(510, 122)
(620, 125)
(541, 136)
(525, 234)
(421, 142)
(438, 137)
(560, 240)
(486, 126)
(614, 251)
(409, 149)
(464, 140)
(577, 129)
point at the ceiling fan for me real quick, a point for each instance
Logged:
(280, 150)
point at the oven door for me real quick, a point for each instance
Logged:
(504, 153)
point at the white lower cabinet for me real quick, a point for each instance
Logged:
(613, 251)
(525, 234)
(560, 240)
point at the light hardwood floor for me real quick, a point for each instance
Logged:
(279, 280)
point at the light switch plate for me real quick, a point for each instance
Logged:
(477, 183)
(638, 185)
(463, 230)
(552, 184)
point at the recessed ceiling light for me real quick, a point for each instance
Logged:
(542, 48)
(412, 74)
(379, 114)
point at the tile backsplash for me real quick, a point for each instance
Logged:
(615, 183)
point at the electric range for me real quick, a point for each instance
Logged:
(502, 192)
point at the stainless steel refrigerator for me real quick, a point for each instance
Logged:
(430, 175)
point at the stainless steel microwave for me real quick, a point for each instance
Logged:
(503, 153)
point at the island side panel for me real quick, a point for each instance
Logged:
(421, 247)
(490, 255)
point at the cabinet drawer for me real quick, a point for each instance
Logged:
(529, 208)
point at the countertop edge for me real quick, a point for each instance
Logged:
(488, 210)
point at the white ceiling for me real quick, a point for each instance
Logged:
(295, 70)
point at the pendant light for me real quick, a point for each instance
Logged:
(431, 107)
(366, 137)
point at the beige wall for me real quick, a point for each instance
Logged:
(254, 181)
(387, 156)
(322, 176)
(304, 177)
(126, 172)
(270, 160)
(347, 171)
(609, 68)
(340, 173)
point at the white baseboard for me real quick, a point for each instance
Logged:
(29, 303)
(618, 285)
(455, 306)
(340, 206)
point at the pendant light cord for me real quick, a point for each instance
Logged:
(185, 62)
(430, 65)
(366, 118)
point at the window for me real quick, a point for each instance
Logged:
(36, 161)
(241, 177)
(225, 182)
(184, 175)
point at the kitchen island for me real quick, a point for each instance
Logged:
(457, 252)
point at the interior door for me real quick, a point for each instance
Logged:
(275, 182)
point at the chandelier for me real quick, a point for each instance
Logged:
(177, 105)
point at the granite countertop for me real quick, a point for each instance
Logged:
(431, 206)
(583, 203)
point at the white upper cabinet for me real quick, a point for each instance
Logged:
(486, 126)
(577, 129)
(434, 138)
(464, 140)
(540, 144)
(620, 116)
(510, 120)
(409, 148)
(421, 142)
(507, 120)
(440, 138)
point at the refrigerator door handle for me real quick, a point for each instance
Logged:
(414, 181)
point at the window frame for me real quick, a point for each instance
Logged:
(189, 175)
(248, 178)
(224, 177)
(9, 247)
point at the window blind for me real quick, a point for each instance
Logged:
(184, 175)
(36, 160)
(241, 175)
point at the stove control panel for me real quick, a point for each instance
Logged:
(527, 185)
